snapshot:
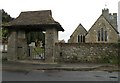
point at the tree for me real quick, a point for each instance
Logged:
(5, 18)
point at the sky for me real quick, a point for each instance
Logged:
(69, 13)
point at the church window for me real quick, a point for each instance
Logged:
(78, 38)
(81, 38)
(105, 35)
(98, 35)
(102, 35)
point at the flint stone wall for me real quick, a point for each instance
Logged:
(86, 52)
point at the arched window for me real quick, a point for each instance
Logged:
(98, 35)
(81, 38)
(78, 38)
(105, 35)
(102, 35)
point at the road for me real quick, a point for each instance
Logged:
(59, 75)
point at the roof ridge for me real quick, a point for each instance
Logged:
(36, 11)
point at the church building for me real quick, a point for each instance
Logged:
(104, 30)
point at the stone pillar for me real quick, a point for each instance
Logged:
(51, 37)
(22, 48)
(12, 46)
(17, 45)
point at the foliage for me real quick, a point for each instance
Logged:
(37, 51)
(5, 18)
(35, 37)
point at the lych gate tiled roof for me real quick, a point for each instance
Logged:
(35, 18)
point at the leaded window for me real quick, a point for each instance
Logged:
(102, 35)
(81, 38)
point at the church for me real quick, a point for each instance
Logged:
(104, 30)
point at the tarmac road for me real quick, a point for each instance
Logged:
(17, 71)
(59, 75)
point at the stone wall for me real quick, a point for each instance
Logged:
(86, 52)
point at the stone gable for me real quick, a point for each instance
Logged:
(79, 31)
(104, 30)
(96, 31)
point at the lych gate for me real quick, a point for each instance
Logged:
(27, 22)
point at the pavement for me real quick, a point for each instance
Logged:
(24, 65)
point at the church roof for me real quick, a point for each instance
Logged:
(35, 19)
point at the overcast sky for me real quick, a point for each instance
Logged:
(69, 13)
